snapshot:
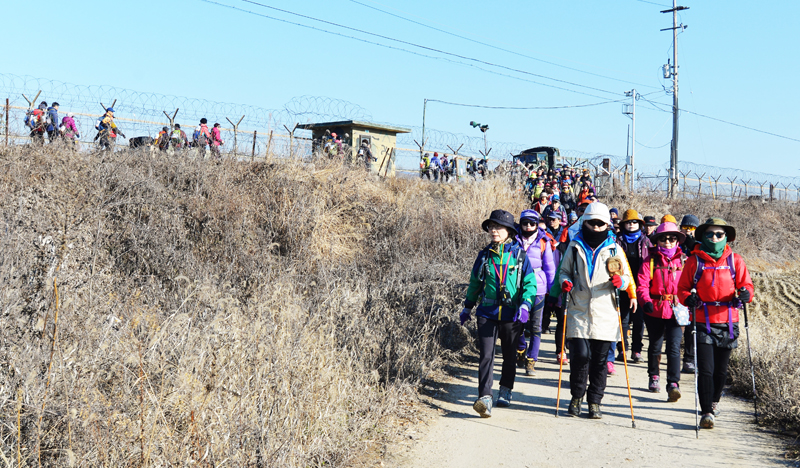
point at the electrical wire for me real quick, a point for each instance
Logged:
(740, 126)
(496, 47)
(431, 49)
(523, 108)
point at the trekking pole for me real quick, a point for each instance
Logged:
(694, 359)
(563, 340)
(750, 357)
(624, 357)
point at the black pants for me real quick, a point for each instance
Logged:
(712, 371)
(628, 318)
(688, 345)
(425, 174)
(657, 330)
(488, 332)
(588, 361)
(559, 311)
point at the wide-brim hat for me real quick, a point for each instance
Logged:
(631, 215)
(503, 218)
(668, 228)
(730, 232)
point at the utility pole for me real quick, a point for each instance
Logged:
(424, 110)
(632, 113)
(673, 72)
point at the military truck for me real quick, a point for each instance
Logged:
(539, 156)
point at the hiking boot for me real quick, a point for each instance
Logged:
(504, 397)
(654, 386)
(521, 359)
(483, 406)
(611, 370)
(636, 357)
(673, 392)
(594, 411)
(575, 407)
(530, 370)
(715, 408)
(688, 367)
(707, 421)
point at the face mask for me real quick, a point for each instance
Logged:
(669, 253)
(527, 234)
(713, 249)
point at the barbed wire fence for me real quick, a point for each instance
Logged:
(264, 130)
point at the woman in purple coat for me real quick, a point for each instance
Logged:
(535, 243)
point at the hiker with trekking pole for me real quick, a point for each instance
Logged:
(503, 286)
(592, 272)
(536, 244)
(657, 288)
(715, 284)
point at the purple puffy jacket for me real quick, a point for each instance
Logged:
(541, 259)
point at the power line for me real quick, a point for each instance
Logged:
(741, 126)
(432, 49)
(495, 47)
(522, 108)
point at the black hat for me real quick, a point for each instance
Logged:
(730, 232)
(690, 220)
(203, 120)
(503, 218)
(650, 221)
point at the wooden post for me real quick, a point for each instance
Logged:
(253, 155)
(235, 134)
(269, 144)
(7, 107)
(291, 138)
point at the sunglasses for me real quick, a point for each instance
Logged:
(717, 235)
(688, 228)
(595, 223)
(527, 222)
(669, 239)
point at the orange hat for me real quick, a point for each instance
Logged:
(668, 218)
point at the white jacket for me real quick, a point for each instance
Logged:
(592, 312)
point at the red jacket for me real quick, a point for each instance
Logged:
(715, 285)
(661, 285)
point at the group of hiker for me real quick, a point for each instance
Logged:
(45, 120)
(443, 168)
(600, 275)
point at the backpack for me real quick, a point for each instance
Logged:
(199, 137)
(33, 118)
(49, 118)
(701, 267)
(484, 269)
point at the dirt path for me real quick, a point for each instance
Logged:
(527, 434)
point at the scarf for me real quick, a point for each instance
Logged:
(593, 238)
(668, 253)
(631, 237)
(713, 249)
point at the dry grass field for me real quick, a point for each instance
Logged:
(166, 311)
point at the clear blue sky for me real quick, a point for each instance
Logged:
(736, 64)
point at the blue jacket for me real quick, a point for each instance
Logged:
(436, 164)
(484, 281)
(53, 114)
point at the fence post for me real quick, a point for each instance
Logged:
(7, 106)
(235, 134)
(253, 155)
(771, 192)
(269, 144)
(746, 182)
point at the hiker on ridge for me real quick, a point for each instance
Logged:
(503, 286)
(722, 285)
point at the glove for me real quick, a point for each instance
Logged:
(648, 307)
(464, 315)
(693, 301)
(617, 281)
(550, 300)
(566, 286)
(744, 295)
(523, 314)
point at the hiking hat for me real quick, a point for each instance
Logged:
(110, 109)
(668, 228)
(435, 154)
(730, 232)
(552, 214)
(632, 215)
(613, 211)
(690, 220)
(573, 216)
(599, 211)
(70, 114)
(532, 215)
(555, 198)
(650, 221)
(503, 218)
(668, 218)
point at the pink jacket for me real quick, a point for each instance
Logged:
(660, 287)
(216, 138)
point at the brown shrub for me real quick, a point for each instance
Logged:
(274, 313)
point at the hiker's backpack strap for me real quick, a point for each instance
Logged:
(699, 271)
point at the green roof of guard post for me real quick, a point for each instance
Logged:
(382, 140)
